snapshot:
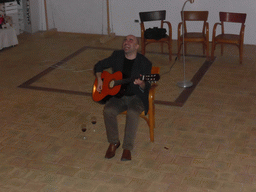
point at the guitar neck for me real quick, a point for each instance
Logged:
(151, 77)
(123, 81)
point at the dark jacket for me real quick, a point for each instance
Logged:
(141, 66)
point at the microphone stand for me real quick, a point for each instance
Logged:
(184, 83)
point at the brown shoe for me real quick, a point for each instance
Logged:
(112, 150)
(126, 155)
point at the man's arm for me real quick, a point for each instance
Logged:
(99, 67)
(106, 63)
(99, 80)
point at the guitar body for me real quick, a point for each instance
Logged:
(107, 88)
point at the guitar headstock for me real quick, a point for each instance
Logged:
(151, 78)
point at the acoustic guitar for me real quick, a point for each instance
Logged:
(112, 83)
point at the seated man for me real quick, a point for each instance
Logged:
(134, 97)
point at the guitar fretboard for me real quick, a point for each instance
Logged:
(123, 81)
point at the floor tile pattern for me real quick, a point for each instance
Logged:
(207, 145)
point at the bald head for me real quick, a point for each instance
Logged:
(131, 46)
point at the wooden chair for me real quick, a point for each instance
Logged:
(155, 16)
(224, 38)
(200, 37)
(150, 117)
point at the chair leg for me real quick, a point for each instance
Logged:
(185, 48)
(178, 48)
(170, 50)
(162, 47)
(151, 119)
(222, 49)
(241, 53)
(204, 47)
(207, 49)
(213, 48)
(143, 48)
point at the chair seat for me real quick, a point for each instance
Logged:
(194, 37)
(142, 115)
(227, 37)
(159, 40)
(166, 36)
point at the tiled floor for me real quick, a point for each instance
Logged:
(207, 145)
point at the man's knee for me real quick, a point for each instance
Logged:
(134, 112)
(109, 111)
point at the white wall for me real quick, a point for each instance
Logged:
(35, 16)
(89, 16)
(78, 16)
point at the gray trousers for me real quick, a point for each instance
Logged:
(115, 106)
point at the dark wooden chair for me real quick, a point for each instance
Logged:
(150, 117)
(155, 16)
(199, 37)
(224, 38)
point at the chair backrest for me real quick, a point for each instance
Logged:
(152, 15)
(232, 17)
(195, 15)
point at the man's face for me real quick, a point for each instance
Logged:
(130, 44)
